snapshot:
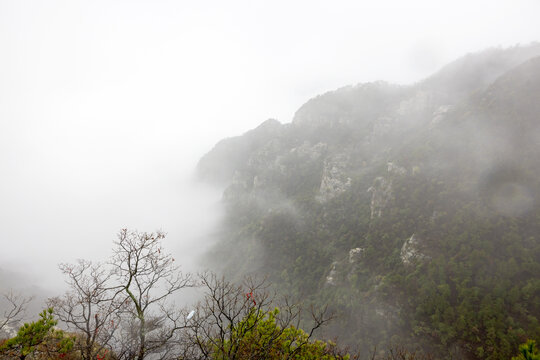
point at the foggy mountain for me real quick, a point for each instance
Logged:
(412, 211)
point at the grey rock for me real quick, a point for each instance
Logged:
(334, 180)
(439, 114)
(331, 277)
(312, 152)
(355, 254)
(381, 194)
(411, 250)
(395, 169)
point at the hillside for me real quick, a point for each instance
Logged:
(412, 211)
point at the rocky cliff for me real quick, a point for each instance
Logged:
(412, 210)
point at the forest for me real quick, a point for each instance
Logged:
(412, 211)
(123, 310)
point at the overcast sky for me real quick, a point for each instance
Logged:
(105, 106)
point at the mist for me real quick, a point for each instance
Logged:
(106, 106)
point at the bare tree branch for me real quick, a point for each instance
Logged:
(90, 308)
(147, 278)
(229, 316)
(16, 307)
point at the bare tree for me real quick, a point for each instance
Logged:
(224, 322)
(147, 276)
(90, 307)
(217, 316)
(16, 307)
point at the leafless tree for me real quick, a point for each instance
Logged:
(15, 310)
(90, 308)
(218, 322)
(224, 306)
(147, 277)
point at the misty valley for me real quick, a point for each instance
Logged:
(384, 222)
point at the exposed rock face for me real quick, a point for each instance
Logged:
(306, 150)
(439, 114)
(381, 190)
(395, 169)
(381, 194)
(410, 251)
(355, 255)
(334, 181)
(331, 277)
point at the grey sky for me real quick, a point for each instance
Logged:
(105, 106)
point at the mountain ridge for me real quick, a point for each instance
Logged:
(389, 203)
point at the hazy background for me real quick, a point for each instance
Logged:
(106, 106)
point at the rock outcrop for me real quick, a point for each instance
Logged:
(334, 179)
(411, 250)
(381, 194)
(327, 205)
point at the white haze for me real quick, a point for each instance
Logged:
(106, 106)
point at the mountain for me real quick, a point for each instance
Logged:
(413, 211)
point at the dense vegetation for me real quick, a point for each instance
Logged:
(38, 340)
(122, 310)
(412, 211)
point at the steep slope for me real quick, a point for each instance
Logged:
(412, 211)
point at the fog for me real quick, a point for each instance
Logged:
(106, 106)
